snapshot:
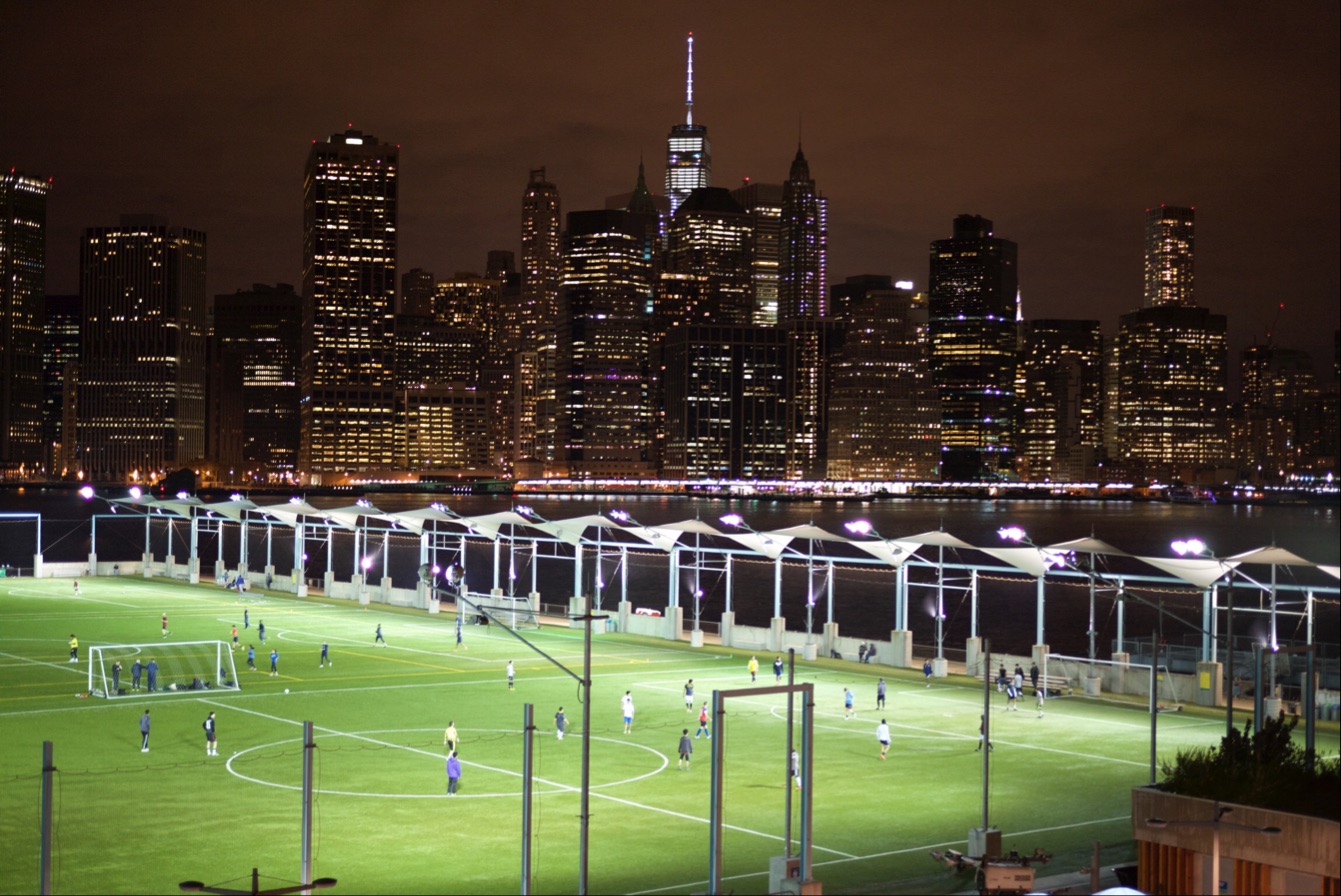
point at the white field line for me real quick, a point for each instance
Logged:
(550, 783)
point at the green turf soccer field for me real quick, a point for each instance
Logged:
(134, 822)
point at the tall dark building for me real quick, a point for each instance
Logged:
(258, 339)
(973, 292)
(60, 379)
(602, 360)
(350, 238)
(143, 365)
(763, 204)
(1170, 391)
(727, 391)
(23, 247)
(1280, 392)
(416, 292)
(1168, 256)
(884, 416)
(707, 263)
(1060, 400)
(803, 247)
(541, 266)
(688, 152)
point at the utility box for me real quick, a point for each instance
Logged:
(984, 843)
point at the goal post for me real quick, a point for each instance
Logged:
(1075, 669)
(511, 611)
(177, 666)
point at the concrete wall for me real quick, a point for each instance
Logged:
(1306, 850)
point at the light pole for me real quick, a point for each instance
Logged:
(1197, 548)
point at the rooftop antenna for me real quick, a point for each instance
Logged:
(689, 86)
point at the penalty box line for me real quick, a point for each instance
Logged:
(556, 784)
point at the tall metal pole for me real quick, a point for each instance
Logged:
(986, 727)
(715, 787)
(807, 779)
(308, 749)
(1154, 708)
(1229, 655)
(787, 766)
(44, 864)
(584, 831)
(528, 732)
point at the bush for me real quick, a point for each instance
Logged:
(1267, 769)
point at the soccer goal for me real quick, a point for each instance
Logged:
(177, 666)
(514, 612)
(1076, 669)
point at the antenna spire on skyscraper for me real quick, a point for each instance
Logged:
(689, 85)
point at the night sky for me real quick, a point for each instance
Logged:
(1060, 122)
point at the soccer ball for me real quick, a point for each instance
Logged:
(286, 690)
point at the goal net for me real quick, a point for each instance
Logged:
(163, 668)
(514, 612)
(1076, 669)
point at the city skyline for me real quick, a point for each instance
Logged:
(1063, 132)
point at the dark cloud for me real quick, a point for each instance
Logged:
(1061, 123)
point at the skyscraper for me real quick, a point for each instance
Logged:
(1059, 388)
(143, 366)
(804, 247)
(349, 291)
(972, 323)
(602, 359)
(763, 203)
(884, 416)
(1168, 256)
(257, 333)
(688, 152)
(60, 377)
(1171, 391)
(23, 243)
(541, 262)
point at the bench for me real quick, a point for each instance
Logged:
(1051, 685)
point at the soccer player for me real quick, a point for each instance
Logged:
(453, 773)
(246, 619)
(460, 635)
(274, 662)
(260, 630)
(686, 750)
(251, 657)
(982, 735)
(135, 669)
(1012, 693)
(1040, 694)
(165, 625)
(116, 677)
(512, 676)
(450, 738)
(796, 768)
(144, 732)
(754, 668)
(74, 648)
(560, 722)
(777, 670)
(926, 671)
(325, 655)
(689, 695)
(626, 703)
(882, 735)
(235, 637)
(847, 703)
(1033, 675)
(703, 723)
(211, 742)
(152, 671)
(76, 588)
(377, 636)
(880, 694)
